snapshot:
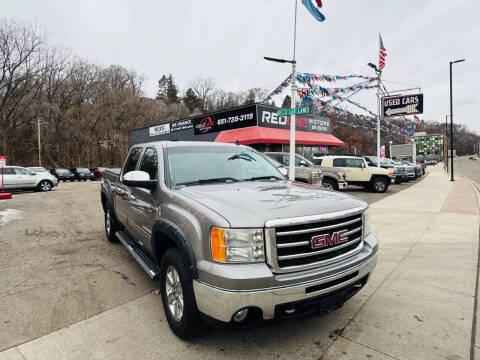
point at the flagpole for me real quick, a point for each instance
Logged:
(379, 111)
(293, 102)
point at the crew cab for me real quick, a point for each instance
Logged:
(230, 240)
(331, 178)
(358, 172)
(20, 178)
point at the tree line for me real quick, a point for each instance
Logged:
(87, 111)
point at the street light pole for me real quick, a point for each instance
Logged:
(293, 102)
(446, 139)
(379, 109)
(451, 119)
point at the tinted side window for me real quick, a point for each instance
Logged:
(132, 160)
(149, 163)
(354, 163)
(317, 161)
(8, 171)
(339, 162)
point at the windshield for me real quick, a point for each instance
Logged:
(83, 170)
(62, 171)
(200, 164)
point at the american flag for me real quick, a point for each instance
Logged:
(382, 54)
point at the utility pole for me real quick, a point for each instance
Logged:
(451, 119)
(39, 143)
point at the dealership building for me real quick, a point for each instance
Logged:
(256, 125)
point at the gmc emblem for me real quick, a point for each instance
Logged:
(324, 240)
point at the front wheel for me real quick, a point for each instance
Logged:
(380, 185)
(178, 296)
(330, 184)
(45, 185)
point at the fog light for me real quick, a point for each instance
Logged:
(240, 315)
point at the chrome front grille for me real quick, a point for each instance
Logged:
(298, 245)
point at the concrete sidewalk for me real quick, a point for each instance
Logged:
(418, 304)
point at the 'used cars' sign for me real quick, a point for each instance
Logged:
(402, 105)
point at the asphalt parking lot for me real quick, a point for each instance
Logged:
(56, 267)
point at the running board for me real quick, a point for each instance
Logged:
(137, 252)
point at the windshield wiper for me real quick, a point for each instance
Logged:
(263, 178)
(207, 181)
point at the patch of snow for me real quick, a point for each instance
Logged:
(8, 215)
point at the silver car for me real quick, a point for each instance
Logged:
(20, 178)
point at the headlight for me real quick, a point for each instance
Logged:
(366, 223)
(237, 245)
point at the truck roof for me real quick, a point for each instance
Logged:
(171, 144)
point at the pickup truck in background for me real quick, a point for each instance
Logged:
(332, 178)
(359, 173)
(230, 239)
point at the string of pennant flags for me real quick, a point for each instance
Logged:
(310, 93)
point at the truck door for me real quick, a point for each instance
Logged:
(357, 169)
(122, 193)
(144, 206)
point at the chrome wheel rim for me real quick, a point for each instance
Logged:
(328, 185)
(45, 186)
(107, 222)
(174, 293)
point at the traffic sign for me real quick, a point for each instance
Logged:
(3, 161)
(402, 105)
(290, 111)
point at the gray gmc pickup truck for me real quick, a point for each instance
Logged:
(230, 239)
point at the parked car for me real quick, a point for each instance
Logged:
(63, 174)
(98, 172)
(230, 239)
(358, 172)
(304, 171)
(432, 162)
(399, 170)
(418, 169)
(38, 169)
(20, 178)
(82, 174)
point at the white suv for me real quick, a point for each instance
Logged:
(20, 178)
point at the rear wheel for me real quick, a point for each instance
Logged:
(45, 185)
(380, 185)
(178, 297)
(330, 184)
(111, 225)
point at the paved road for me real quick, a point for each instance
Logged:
(468, 168)
(56, 267)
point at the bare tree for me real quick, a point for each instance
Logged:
(202, 87)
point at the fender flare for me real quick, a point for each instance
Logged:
(164, 228)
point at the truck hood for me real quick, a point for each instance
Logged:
(250, 204)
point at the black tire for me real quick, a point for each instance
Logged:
(111, 225)
(44, 185)
(189, 325)
(330, 184)
(379, 185)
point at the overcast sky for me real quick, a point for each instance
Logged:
(227, 39)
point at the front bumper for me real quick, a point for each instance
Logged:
(342, 185)
(221, 304)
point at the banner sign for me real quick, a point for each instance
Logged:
(181, 125)
(402, 105)
(159, 129)
(225, 120)
(382, 151)
(268, 117)
(3, 161)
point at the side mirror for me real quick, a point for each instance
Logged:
(283, 170)
(363, 166)
(33, 174)
(140, 179)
